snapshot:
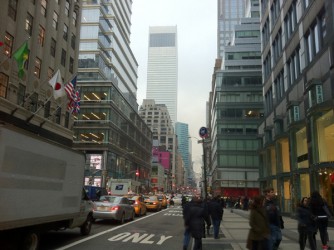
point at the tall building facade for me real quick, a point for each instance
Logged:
(157, 117)
(182, 133)
(229, 14)
(236, 111)
(117, 142)
(162, 68)
(43, 37)
(298, 86)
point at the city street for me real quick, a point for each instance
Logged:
(164, 230)
(156, 230)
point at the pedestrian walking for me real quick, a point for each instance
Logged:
(195, 216)
(319, 208)
(259, 232)
(276, 222)
(307, 227)
(186, 235)
(216, 214)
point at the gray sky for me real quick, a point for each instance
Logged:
(196, 22)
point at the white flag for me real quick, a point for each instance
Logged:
(57, 85)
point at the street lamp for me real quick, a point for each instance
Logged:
(205, 182)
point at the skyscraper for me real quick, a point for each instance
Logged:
(109, 129)
(229, 14)
(162, 68)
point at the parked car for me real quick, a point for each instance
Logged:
(152, 203)
(114, 208)
(138, 204)
(163, 199)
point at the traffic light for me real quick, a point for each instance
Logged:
(137, 173)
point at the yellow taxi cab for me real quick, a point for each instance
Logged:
(152, 202)
(163, 199)
(138, 204)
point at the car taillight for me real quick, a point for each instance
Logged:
(114, 208)
(136, 203)
(154, 203)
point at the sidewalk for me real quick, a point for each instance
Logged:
(235, 229)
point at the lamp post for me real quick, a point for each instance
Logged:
(205, 182)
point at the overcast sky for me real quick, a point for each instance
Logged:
(196, 22)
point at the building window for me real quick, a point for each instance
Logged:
(38, 65)
(53, 47)
(55, 20)
(324, 140)
(67, 7)
(73, 40)
(47, 108)
(3, 84)
(315, 95)
(58, 115)
(41, 35)
(43, 7)
(74, 18)
(29, 23)
(21, 94)
(12, 8)
(8, 44)
(63, 57)
(71, 66)
(293, 114)
(33, 102)
(65, 33)
(301, 148)
(315, 36)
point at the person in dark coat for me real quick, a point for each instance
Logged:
(307, 227)
(317, 205)
(259, 232)
(216, 214)
(195, 217)
(274, 216)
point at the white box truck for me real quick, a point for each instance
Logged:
(41, 188)
(123, 186)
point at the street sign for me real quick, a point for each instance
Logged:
(203, 132)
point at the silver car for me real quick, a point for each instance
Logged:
(113, 208)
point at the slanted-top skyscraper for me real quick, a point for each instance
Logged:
(162, 68)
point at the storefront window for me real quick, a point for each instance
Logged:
(284, 157)
(304, 185)
(273, 161)
(325, 137)
(301, 148)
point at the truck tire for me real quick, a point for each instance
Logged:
(30, 240)
(87, 226)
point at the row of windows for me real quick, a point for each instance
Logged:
(239, 97)
(12, 11)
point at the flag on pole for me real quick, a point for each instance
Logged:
(21, 56)
(70, 87)
(73, 95)
(76, 107)
(57, 86)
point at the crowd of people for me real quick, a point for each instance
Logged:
(265, 221)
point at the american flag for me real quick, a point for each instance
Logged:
(73, 95)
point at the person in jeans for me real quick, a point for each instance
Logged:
(216, 214)
(275, 218)
(317, 207)
(307, 227)
(194, 218)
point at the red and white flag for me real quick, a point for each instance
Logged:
(57, 85)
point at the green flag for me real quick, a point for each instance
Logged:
(21, 56)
